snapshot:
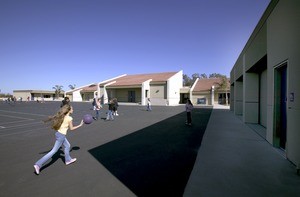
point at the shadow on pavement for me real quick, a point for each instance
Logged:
(156, 160)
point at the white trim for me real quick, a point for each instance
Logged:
(192, 89)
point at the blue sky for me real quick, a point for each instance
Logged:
(62, 42)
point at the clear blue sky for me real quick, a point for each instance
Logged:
(44, 43)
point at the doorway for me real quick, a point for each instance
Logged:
(280, 105)
(131, 96)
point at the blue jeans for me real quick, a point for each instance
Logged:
(97, 114)
(110, 115)
(60, 140)
(149, 108)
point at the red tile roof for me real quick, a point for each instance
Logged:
(206, 84)
(90, 88)
(131, 80)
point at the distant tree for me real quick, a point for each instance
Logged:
(216, 75)
(223, 85)
(195, 76)
(58, 89)
(5, 95)
(72, 87)
(203, 76)
(187, 81)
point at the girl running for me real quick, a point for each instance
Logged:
(61, 122)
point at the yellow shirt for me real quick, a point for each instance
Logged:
(65, 125)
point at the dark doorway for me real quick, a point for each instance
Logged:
(280, 90)
(183, 98)
(131, 96)
(146, 93)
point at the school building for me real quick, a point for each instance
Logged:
(210, 91)
(37, 95)
(265, 82)
(162, 88)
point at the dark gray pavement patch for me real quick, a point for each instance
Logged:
(22, 145)
(156, 160)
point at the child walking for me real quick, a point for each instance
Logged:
(149, 105)
(97, 108)
(115, 108)
(188, 108)
(110, 110)
(61, 122)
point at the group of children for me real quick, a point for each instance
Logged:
(112, 108)
(62, 121)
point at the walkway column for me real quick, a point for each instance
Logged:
(251, 98)
(238, 97)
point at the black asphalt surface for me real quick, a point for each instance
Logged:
(140, 153)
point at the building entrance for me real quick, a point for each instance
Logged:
(280, 101)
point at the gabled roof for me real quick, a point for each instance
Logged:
(206, 84)
(128, 80)
(90, 88)
(87, 88)
(138, 79)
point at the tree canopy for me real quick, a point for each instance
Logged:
(72, 87)
(58, 90)
(189, 81)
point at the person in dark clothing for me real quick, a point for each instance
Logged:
(115, 107)
(97, 108)
(110, 110)
(94, 103)
(189, 107)
(149, 105)
(65, 101)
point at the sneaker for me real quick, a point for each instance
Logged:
(71, 161)
(36, 169)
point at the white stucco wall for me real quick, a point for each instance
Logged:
(173, 88)
(77, 95)
(145, 87)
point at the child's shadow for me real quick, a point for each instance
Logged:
(58, 155)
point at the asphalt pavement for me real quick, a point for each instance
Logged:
(230, 158)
